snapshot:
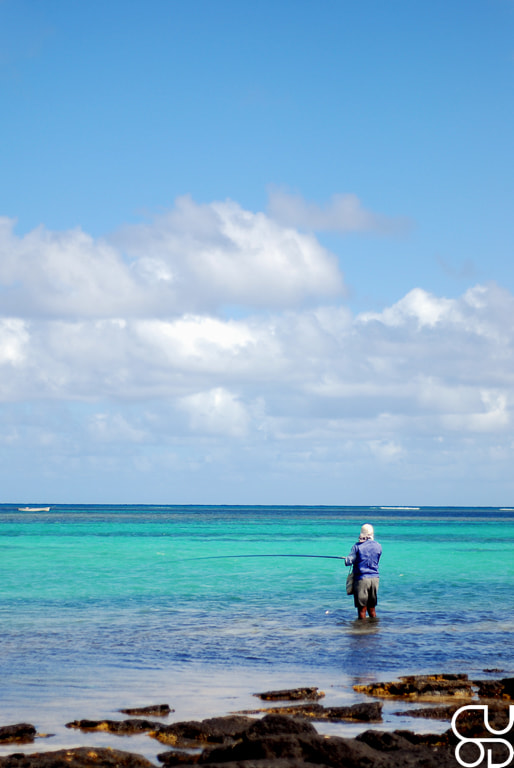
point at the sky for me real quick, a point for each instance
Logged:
(257, 252)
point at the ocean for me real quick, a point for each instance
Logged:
(106, 607)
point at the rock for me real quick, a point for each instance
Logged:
(296, 710)
(364, 712)
(470, 723)
(432, 713)
(157, 710)
(405, 748)
(489, 689)
(386, 741)
(278, 741)
(421, 686)
(19, 733)
(277, 724)
(508, 687)
(270, 747)
(292, 694)
(122, 727)
(83, 757)
(427, 739)
(313, 749)
(190, 733)
(179, 757)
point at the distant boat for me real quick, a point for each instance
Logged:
(33, 509)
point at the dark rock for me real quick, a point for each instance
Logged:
(364, 712)
(427, 739)
(270, 747)
(432, 713)
(496, 689)
(273, 763)
(489, 689)
(421, 686)
(296, 710)
(508, 687)
(284, 742)
(273, 725)
(193, 732)
(83, 757)
(179, 757)
(19, 733)
(470, 723)
(157, 710)
(302, 750)
(292, 694)
(386, 741)
(122, 727)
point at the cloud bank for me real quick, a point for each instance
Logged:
(117, 360)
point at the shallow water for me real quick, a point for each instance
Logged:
(105, 607)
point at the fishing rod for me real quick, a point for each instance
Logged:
(224, 557)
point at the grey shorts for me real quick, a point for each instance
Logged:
(365, 593)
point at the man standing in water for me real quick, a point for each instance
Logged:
(364, 557)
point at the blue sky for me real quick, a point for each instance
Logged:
(257, 252)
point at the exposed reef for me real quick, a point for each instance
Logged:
(284, 736)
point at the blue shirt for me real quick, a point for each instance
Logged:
(364, 557)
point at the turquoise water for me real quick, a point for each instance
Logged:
(96, 601)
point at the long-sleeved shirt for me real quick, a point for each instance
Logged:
(364, 556)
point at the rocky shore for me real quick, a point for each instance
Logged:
(284, 735)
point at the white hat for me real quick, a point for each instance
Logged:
(366, 532)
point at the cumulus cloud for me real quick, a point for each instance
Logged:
(63, 273)
(204, 256)
(343, 213)
(193, 258)
(430, 362)
(135, 367)
(217, 412)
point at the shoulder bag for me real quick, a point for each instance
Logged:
(349, 583)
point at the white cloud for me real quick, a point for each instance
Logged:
(63, 273)
(404, 393)
(418, 305)
(211, 255)
(13, 341)
(194, 258)
(216, 412)
(344, 213)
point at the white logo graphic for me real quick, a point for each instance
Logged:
(480, 742)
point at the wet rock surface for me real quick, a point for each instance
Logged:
(82, 757)
(284, 736)
(122, 727)
(193, 733)
(155, 710)
(364, 712)
(282, 741)
(19, 733)
(421, 686)
(292, 694)
(496, 689)
(431, 713)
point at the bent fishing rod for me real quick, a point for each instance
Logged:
(225, 557)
